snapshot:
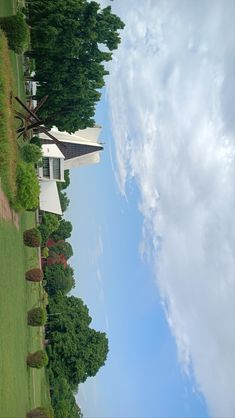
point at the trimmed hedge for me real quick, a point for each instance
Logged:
(41, 412)
(32, 237)
(28, 188)
(38, 359)
(17, 32)
(37, 317)
(34, 275)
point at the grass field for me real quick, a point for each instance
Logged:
(21, 388)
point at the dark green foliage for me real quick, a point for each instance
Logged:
(38, 359)
(45, 233)
(71, 33)
(27, 187)
(63, 232)
(32, 237)
(59, 279)
(64, 184)
(63, 247)
(37, 317)
(64, 200)
(50, 223)
(16, 30)
(77, 351)
(34, 275)
(31, 153)
(36, 141)
(63, 400)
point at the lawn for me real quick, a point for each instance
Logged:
(21, 388)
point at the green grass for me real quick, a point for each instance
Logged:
(21, 388)
(8, 8)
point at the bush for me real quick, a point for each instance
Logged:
(31, 153)
(37, 317)
(62, 247)
(27, 187)
(41, 412)
(36, 141)
(45, 252)
(38, 359)
(44, 231)
(17, 32)
(34, 275)
(51, 221)
(32, 237)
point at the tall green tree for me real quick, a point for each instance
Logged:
(63, 400)
(63, 232)
(59, 279)
(66, 40)
(77, 351)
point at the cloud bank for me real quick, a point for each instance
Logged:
(171, 89)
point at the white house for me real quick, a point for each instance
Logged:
(73, 150)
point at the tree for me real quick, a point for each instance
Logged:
(71, 33)
(62, 247)
(63, 185)
(63, 400)
(77, 350)
(58, 279)
(63, 232)
(64, 200)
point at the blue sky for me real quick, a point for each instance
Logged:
(154, 233)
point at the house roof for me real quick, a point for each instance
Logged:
(72, 149)
(51, 150)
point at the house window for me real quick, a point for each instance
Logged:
(46, 167)
(56, 169)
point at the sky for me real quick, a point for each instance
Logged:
(153, 231)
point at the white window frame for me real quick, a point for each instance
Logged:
(40, 170)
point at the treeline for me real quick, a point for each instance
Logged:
(70, 41)
(75, 350)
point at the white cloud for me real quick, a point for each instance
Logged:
(171, 89)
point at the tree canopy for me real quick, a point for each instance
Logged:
(78, 351)
(71, 40)
(63, 400)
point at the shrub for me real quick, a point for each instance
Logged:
(31, 153)
(62, 247)
(34, 275)
(16, 30)
(37, 317)
(27, 187)
(32, 237)
(41, 412)
(51, 221)
(45, 252)
(38, 359)
(43, 229)
(36, 141)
